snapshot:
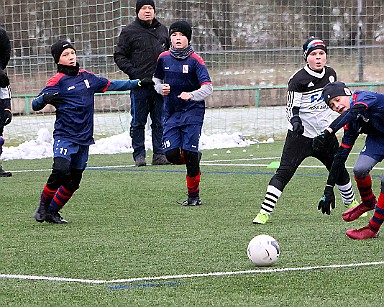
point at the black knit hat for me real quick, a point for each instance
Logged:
(58, 48)
(311, 44)
(335, 89)
(140, 3)
(183, 27)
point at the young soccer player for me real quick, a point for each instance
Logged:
(362, 112)
(183, 79)
(5, 92)
(308, 115)
(72, 92)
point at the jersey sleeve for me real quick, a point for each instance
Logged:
(159, 73)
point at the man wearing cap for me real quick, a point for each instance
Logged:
(308, 115)
(5, 91)
(140, 43)
(362, 112)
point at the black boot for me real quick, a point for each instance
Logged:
(3, 173)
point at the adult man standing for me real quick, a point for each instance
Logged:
(136, 53)
(5, 92)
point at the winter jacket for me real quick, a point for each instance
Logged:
(139, 46)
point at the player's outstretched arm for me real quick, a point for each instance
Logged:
(123, 85)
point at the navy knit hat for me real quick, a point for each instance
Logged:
(311, 44)
(183, 27)
(335, 89)
(58, 48)
(140, 3)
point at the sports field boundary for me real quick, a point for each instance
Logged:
(184, 276)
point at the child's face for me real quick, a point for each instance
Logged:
(317, 59)
(340, 104)
(68, 57)
(179, 40)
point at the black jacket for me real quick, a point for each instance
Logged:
(5, 48)
(139, 46)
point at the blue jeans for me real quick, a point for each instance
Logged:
(144, 102)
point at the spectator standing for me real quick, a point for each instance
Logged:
(140, 43)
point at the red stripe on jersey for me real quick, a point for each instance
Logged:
(354, 100)
(106, 87)
(163, 54)
(198, 58)
(55, 79)
(345, 145)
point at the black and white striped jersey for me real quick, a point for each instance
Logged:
(304, 91)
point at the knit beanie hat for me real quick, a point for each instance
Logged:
(311, 44)
(140, 3)
(58, 48)
(183, 27)
(335, 89)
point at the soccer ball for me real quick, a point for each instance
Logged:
(263, 250)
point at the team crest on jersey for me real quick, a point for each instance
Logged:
(331, 79)
(87, 83)
(185, 69)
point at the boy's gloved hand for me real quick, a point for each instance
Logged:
(327, 201)
(297, 125)
(52, 99)
(146, 82)
(7, 117)
(320, 141)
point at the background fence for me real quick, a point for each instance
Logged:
(247, 45)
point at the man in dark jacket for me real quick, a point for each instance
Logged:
(5, 92)
(136, 53)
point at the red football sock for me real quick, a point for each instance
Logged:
(378, 216)
(193, 185)
(365, 189)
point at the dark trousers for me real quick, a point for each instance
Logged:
(296, 149)
(146, 102)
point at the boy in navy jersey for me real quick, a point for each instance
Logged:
(72, 92)
(183, 79)
(362, 112)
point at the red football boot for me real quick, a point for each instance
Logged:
(355, 212)
(362, 233)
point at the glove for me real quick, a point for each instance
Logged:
(52, 99)
(146, 82)
(4, 81)
(321, 140)
(7, 117)
(327, 201)
(297, 125)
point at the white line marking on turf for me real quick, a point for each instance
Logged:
(166, 277)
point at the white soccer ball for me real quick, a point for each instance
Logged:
(263, 250)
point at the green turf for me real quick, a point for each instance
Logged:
(125, 223)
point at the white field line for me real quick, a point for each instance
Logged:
(212, 163)
(167, 277)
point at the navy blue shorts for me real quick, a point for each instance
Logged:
(374, 147)
(77, 154)
(186, 137)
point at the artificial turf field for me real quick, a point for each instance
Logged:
(128, 242)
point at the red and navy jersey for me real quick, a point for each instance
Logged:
(365, 115)
(183, 75)
(74, 114)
